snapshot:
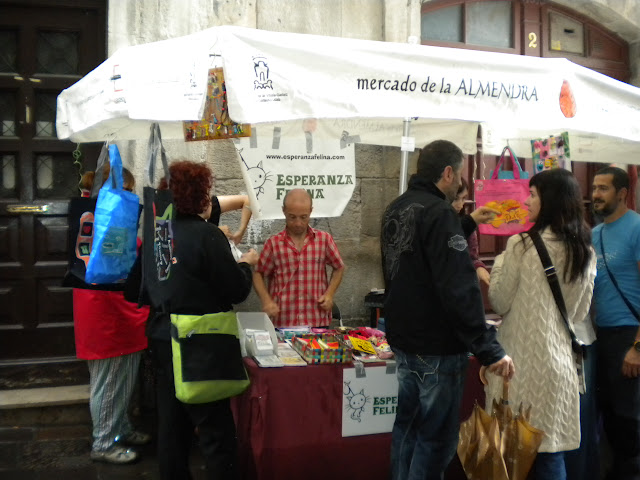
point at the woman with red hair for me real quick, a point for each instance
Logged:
(205, 279)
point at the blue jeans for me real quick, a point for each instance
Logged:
(425, 432)
(549, 466)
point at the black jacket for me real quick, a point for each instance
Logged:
(433, 304)
(205, 278)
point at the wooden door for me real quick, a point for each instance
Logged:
(45, 46)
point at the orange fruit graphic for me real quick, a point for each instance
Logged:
(567, 101)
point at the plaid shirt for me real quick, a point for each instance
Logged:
(298, 278)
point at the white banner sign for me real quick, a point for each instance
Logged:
(270, 75)
(369, 403)
(280, 157)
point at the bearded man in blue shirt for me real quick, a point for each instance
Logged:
(617, 303)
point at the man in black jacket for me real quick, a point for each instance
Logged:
(434, 313)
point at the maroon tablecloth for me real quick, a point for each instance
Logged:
(289, 425)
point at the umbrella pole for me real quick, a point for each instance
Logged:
(404, 156)
(505, 400)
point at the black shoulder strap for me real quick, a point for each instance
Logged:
(613, 280)
(552, 278)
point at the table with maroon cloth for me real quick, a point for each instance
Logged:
(289, 425)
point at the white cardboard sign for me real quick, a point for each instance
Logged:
(370, 402)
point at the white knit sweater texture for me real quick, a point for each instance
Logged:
(534, 335)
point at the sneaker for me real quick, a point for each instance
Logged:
(117, 455)
(135, 438)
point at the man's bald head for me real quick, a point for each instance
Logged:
(297, 206)
(298, 196)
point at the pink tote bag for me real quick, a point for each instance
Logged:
(507, 196)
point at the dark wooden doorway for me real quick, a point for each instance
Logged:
(45, 46)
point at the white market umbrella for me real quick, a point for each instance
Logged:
(362, 90)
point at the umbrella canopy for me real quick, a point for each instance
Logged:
(479, 447)
(500, 446)
(366, 85)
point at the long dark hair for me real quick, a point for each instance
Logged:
(562, 210)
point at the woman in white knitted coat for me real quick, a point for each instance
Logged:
(533, 332)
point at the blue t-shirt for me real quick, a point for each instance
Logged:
(622, 247)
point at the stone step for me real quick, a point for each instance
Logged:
(44, 397)
(42, 427)
(42, 372)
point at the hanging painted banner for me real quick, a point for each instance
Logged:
(280, 157)
(369, 403)
(215, 122)
(551, 152)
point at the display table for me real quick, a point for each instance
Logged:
(289, 425)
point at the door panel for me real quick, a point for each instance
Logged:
(44, 48)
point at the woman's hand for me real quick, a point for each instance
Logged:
(225, 229)
(251, 257)
(235, 237)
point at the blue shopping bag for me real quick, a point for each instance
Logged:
(115, 228)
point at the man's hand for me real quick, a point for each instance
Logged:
(483, 375)
(631, 364)
(483, 275)
(272, 310)
(503, 368)
(484, 215)
(325, 302)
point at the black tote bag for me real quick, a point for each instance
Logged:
(159, 217)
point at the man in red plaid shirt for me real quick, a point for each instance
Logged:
(294, 262)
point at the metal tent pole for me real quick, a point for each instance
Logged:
(407, 146)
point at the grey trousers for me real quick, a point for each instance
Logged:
(112, 381)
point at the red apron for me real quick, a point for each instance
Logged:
(106, 325)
